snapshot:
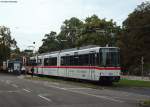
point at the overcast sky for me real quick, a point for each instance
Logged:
(29, 20)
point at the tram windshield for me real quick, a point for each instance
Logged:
(109, 57)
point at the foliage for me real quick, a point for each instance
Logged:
(135, 39)
(75, 33)
(6, 42)
(98, 31)
(15, 54)
(49, 43)
(146, 103)
(70, 32)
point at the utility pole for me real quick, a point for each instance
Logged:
(142, 63)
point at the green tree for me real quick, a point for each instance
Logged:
(49, 43)
(98, 31)
(70, 32)
(76, 33)
(6, 42)
(135, 39)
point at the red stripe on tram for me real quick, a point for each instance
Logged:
(81, 67)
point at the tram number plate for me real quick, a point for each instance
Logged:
(110, 74)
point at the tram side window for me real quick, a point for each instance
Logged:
(63, 61)
(71, 61)
(76, 60)
(92, 59)
(53, 61)
(83, 59)
(46, 62)
(97, 59)
(39, 62)
(50, 61)
(86, 59)
(89, 59)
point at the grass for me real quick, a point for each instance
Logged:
(132, 83)
(145, 103)
(121, 83)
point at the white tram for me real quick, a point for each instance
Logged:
(88, 63)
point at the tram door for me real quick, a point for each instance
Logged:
(92, 64)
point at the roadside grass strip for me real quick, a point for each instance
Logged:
(145, 103)
(132, 83)
(121, 83)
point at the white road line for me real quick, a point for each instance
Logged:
(12, 91)
(9, 91)
(97, 96)
(8, 81)
(77, 88)
(27, 90)
(47, 99)
(14, 85)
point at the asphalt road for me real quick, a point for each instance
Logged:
(18, 92)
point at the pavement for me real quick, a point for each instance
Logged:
(15, 91)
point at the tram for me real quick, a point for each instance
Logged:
(88, 63)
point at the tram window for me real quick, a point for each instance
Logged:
(39, 62)
(63, 60)
(71, 60)
(86, 59)
(109, 57)
(76, 60)
(83, 60)
(46, 62)
(53, 61)
(97, 59)
(67, 60)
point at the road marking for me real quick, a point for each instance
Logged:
(12, 91)
(77, 88)
(8, 81)
(93, 95)
(14, 85)
(9, 91)
(47, 99)
(27, 90)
